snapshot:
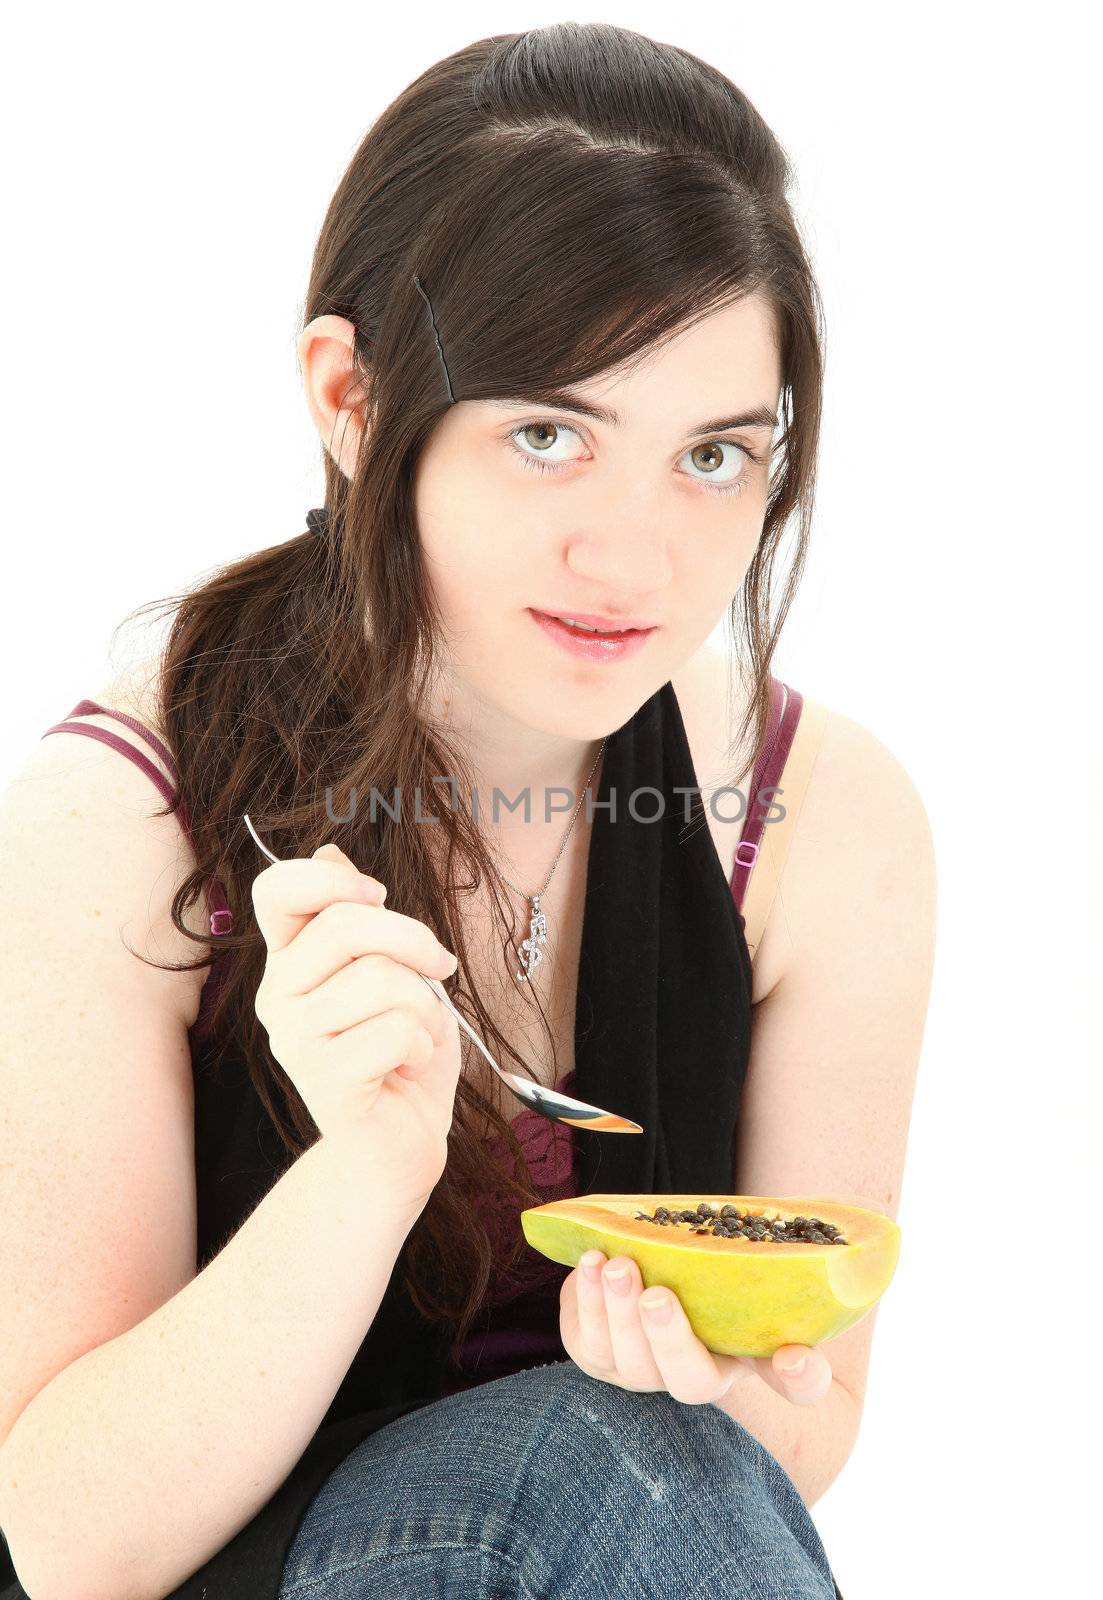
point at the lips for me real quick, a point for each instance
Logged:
(610, 625)
(601, 647)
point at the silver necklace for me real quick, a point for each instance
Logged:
(532, 951)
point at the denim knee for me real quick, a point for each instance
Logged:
(679, 1491)
(567, 1487)
(653, 1436)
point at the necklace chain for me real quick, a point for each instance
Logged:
(532, 947)
(566, 836)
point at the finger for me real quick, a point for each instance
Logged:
(287, 894)
(365, 987)
(688, 1369)
(377, 1046)
(595, 1344)
(342, 931)
(333, 852)
(632, 1358)
(806, 1387)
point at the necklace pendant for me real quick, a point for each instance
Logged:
(532, 948)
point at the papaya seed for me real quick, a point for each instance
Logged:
(754, 1226)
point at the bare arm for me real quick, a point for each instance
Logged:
(835, 1049)
(145, 1456)
(146, 1412)
(812, 1443)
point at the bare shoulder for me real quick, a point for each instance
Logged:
(861, 819)
(862, 810)
(862, 835)
(136, 691)
(111, 806)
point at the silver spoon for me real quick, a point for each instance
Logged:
(549, 1102)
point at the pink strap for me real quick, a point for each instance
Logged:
(222, 920)
(785, 709)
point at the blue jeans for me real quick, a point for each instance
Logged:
(550, 1485)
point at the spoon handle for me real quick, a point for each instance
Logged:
(439, 990)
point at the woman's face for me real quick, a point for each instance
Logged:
(656, 517)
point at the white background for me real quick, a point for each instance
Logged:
(165, 174)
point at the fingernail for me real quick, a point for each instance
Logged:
(619, 1280)
(794, 1371)
(591, 1264)
(659, 1310)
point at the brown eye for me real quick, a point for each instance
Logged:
(546, 434)
(709, 456)
(533, 442)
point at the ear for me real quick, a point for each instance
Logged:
(334, 387)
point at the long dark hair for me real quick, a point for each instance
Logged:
(567, 196)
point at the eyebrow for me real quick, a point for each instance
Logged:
(567, 400)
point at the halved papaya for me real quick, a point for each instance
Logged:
(796, 1271)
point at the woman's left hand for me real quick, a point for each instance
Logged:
(610, 1336)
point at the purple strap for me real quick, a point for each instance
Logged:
(785, 709)
(222, 920)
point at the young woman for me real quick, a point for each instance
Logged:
(271, 1327)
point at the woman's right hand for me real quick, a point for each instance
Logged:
(371, 1050)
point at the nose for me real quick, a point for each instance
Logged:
(626, 558)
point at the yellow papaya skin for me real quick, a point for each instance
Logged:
(741, 1297)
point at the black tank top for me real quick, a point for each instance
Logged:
(662, 1035)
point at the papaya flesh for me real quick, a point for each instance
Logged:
(742, 1297)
